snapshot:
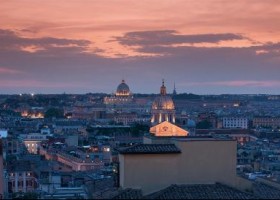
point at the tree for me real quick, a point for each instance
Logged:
(27, 195)
(54, 112)
(30, 195)
(204, 124)
(138, 129)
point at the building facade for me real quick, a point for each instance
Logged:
(235, 122)
(21, 178)
(32, 141)
(272, 122)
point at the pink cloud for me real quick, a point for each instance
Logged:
(4, 70)
(37, 84)
(237, 83)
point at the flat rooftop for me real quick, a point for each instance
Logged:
(191, 138)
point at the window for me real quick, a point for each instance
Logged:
(29, 183)
(20, 183)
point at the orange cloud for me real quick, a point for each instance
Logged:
(100, 21)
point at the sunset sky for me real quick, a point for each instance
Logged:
(204, 46)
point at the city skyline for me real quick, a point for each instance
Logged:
(205, 47)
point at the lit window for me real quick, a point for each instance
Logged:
(107, 149)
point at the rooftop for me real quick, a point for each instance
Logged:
(196, 191)
(129, 194)
(150, 149)
(69, 123)
(265, 191)
(200, 191)
(19, 166)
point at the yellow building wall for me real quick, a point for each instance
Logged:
(201, 162)
(207, 162)
(148, 172)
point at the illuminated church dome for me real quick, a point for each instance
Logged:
(123, 89)
(163, 108)
(163, 102)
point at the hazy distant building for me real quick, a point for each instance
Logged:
(125, 118)
(69, 126)
(235, 122)
(32, 141)
(21, 178)
(122, 95)
(13, 146)
(163, 108)
(87, 110)
(272, 122)
(211, 117)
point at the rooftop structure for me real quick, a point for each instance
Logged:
(184, 160)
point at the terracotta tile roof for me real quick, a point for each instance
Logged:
(150, 149)
(200, 191)
(19, 166)
(129, 194)
(264, 191)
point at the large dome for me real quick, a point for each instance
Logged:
(163, 103)
(123, 89)
(163, 108)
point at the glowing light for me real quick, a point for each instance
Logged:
(24, 114)
(106, 149)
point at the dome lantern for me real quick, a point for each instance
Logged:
(163, 88)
